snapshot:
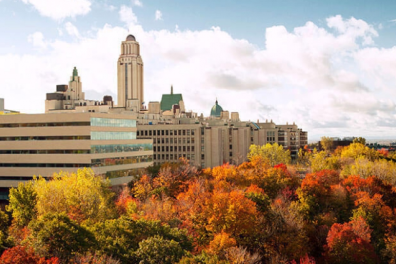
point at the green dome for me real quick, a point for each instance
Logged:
(216, 110)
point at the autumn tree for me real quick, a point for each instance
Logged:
(57, 235)
(157, 250)
(174, 178)
(360, 140)
(350, 243)
(23, 255)
(274, 153)
(327, 144)
(3, 230)
(22, 203)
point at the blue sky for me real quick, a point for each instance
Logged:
(329, 66)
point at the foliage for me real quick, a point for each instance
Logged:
(356, 150)
(157, 250)
(274, 153)
(321, 161)
(57, 235)
(22, 203)
(350, 243)
(262, 211)
(22, 255)
(3, 230)
(327, 144)
(360, 140)
(81, 195)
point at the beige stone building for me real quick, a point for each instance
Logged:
(41, 144)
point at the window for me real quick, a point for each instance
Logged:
(112, 122)
(95, 135)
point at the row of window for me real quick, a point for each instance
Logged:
(47, 151)
(121, 160)
(124, 173)
(111, 122)
(172, 132)
(52, 124)
(174, 140)
(43, 165)
(173, 148)
(120, 148)
(46, 138)
(173, 156)
(94, 163)
(95, 135)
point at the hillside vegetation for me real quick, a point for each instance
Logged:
(327, 207)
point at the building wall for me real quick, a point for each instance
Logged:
(41, 144)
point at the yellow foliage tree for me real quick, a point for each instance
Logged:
(274, 153)
(80, 195)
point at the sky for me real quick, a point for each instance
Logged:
(328, 66)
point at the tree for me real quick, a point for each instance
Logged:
(360, 140)
(57, 235)
(22, 203)
(157, 250)
(350, 243)
(174, 178)
(356, 150)
(274, 153)
(3, 230)
(81, 195)
(327, 144)
(22, 255)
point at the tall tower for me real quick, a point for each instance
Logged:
(130, 75)
(75, 87)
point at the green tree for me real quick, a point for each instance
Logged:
(360, 140)
(157, 250)
(274, 153)
(22, 203)
(3, 230)
(57, 235)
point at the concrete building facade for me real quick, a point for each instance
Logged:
(41, 144)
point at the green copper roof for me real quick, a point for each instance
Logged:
(168, 100)
(216, 110)
(75, 72)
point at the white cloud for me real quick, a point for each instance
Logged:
(322, 78)
(71, 29)
(127, 16)
(37, 39)
(158, 15)
(137, 3)
(60, 9)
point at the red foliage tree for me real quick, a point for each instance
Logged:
(22, 255)
(350, 243)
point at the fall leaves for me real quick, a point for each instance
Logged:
(258, 212)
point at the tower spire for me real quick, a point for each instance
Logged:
(75, 72)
